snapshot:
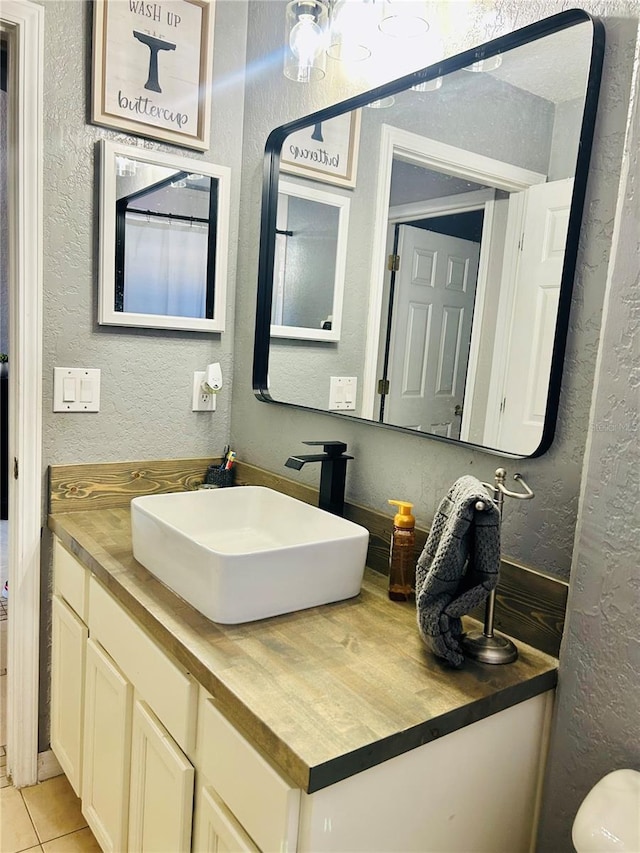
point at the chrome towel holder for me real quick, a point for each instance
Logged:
(487, 646)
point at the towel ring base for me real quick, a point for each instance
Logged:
(495, 649)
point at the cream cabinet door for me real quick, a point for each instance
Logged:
(161, 792)
(69, 638)
(215, 828)
(107, 744)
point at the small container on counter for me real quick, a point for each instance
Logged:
(402, 565)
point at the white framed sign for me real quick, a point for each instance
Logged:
(326, 151)
(152, 68)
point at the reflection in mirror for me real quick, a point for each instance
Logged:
(310, 256)
(462, 249)
(163, 240)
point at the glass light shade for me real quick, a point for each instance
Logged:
(488, 64)
(125, 168)
(382, 103)
(404, 18)
(305, 40)
(353, 28)
(428, 85)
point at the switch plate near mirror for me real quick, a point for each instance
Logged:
(489, 172)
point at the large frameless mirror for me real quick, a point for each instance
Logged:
(462, 242)
(163, 240)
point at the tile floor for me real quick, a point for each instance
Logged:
(44, 818)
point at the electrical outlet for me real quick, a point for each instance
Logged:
(200, 400)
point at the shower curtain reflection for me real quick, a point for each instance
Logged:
(165, 269)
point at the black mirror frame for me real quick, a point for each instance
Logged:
(517, 38)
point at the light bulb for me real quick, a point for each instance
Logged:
(305, 39)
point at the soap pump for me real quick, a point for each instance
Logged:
(402, 567)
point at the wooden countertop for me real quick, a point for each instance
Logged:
(323, 693)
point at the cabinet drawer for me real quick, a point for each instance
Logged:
(71, 579)
(167, 688)
(264, 802)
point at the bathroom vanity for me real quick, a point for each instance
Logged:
(329, 729)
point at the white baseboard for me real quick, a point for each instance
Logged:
(48, 766)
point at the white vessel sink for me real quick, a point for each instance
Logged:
(247, 552)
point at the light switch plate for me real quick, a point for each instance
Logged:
(76, 389)
(342, 393)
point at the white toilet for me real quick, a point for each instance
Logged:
(609, 817)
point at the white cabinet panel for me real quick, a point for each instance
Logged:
(161, 798)
(475, 790)
(69, 637)
(71, 579)
(262, 800)
(215, 828)
(160, 681)
(107, 741)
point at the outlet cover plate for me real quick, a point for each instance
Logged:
(200, 401)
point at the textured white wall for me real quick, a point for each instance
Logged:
(146, 374)
(597, 721)
(389, 464)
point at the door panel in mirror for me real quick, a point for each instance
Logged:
(458, 341)
(163, 240)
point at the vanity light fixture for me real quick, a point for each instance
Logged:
(344, 30)
(305, 45)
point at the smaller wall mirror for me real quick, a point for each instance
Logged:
(163, 240)
(309, 264)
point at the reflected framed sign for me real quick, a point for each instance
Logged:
(461, 254)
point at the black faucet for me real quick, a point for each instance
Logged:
(333, 472)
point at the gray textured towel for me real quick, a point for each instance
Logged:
(458, 567)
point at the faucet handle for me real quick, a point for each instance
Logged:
(331, 448)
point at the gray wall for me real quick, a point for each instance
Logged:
(598, 702)
(146, 375)
(418, 469)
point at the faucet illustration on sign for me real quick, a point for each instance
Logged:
(333, 472)
(155, 46)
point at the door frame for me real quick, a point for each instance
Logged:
(440, 157)
(24, 21)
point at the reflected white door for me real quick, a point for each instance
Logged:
(431, 330)
(535, 309)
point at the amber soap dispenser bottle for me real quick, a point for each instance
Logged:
(402, 567)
